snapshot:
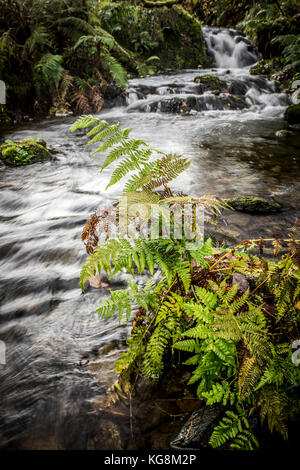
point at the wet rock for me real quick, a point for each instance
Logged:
(186, 104)
(238, 87)
(292, 114)
(197, 430)
(24, 152)
(210, 82)
(255, 205)
(284, 134)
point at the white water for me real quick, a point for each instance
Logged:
(229, 48)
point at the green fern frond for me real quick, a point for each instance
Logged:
(120, 300)
(50, 69)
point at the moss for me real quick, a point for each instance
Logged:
(210, 82)
(208, 78)
(292, 114)
(254, 205)
(24, 153)
(163, 3)
(168, 32)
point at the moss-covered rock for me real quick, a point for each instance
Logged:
(25, 152)
(169, 32)
(210, 82)
(254, 205)
(292, 114)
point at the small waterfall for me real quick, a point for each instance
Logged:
(228, 49)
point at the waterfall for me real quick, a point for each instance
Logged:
(228, 48)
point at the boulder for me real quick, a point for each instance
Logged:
(196, 431)
(210, 82)
(292, 114)
(25, 152)
(254, 205)
(284, 134)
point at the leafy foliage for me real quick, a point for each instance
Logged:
(236, 339)
(65, 57)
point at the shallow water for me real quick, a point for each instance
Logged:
(47, 390)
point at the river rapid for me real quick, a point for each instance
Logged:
(59, 355)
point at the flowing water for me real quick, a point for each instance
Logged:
(59, 356)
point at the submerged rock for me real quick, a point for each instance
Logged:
(25, 152)
(254, 205)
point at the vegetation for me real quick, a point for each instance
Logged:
(167, 36)
(24, 153)
(65, 55)
(274, 28)
(65, 58)
(227, 315)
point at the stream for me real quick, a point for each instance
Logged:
(59, 355)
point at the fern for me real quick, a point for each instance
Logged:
(50, 69)
(152, 366)
(195, 315)
(115, 69)
(120, 300)
(234, 429)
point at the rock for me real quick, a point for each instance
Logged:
(254, 205)
(238, 87)
(284, 133)
(240, 279)
(292, 114)
(176, 104)
(24, 152)
(210, 82)
(197, 430)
